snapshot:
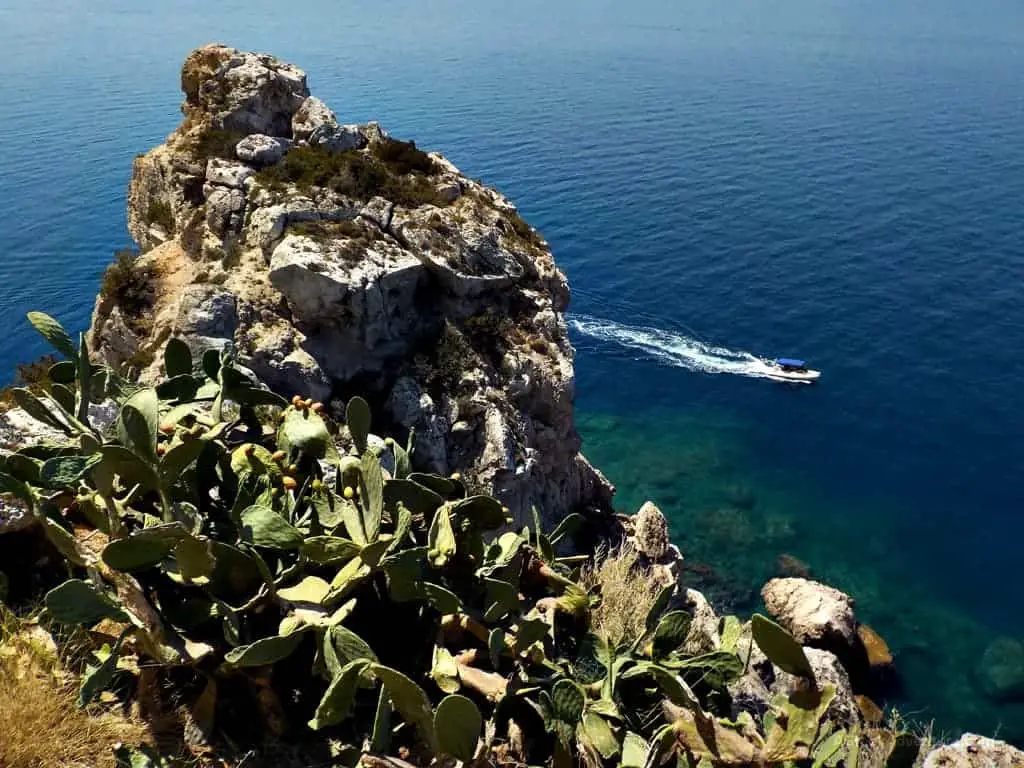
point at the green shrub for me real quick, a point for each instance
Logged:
(132, 287)
(34, 376)
(353, 173)
(158, 212)
(214, 143)
(403, 157)
(358, 236)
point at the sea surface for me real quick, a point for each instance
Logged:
(840, 180)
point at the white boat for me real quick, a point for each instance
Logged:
(790, 369)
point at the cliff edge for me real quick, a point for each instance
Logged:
(333, 258)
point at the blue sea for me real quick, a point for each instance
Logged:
(836, 180)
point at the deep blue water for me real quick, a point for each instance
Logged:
(831, 179)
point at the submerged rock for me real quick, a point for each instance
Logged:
(331, 257)
(878, 654)
(972, 751)
(1001, 669)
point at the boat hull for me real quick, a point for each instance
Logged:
(807, 376)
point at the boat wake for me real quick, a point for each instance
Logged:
(672, 348)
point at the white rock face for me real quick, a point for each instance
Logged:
(228, 173)
(812, 612)
(244, 92)
(259, 149)
(414, 409)
(338, 138)
(972, 751)
(312, 116)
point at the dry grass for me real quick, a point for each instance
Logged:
(40, 723)
(627, 594)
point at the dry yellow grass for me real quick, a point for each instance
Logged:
(627, 594)
(41, 725)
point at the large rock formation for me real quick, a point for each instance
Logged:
(332, 258)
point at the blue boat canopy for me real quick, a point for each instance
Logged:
(789, 362)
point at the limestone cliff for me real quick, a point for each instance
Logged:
(333, 258)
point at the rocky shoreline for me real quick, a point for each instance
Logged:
(333, 259)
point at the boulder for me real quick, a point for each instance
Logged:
(228, 173)
(651, 532)
(312, 116)
(243, 92)
(879, 656)
(972, 751)
(703, 636)
(1001, 669)
(813, 613)
(259, 149)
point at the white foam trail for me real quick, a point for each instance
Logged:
(672, 348)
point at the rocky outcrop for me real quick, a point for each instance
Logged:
(332, 258)
(813, 613)
(972, 751)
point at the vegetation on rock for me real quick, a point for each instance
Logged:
(131, 286)
(395, 170)
(257, 558)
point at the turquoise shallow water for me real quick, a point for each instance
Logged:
(842, 181)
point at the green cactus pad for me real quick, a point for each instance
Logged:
(195, 559)
(658, 607)
(63, 541)
(53, 332)
(419, 499)
(329, 550)
(177, 358)
(141, 550)
(371, 495)
(311, 589)
(357, 417)
(634, 751)
(337, 701)
(780, 647)
(483, 512)
(255, 459)
(673, 686)
(458, 723)
(137, 424)
(64, 471)
(269, 650)
(441, 537)
(595, 732)
(567, 701)
(670, 633)
(444, 670)
(444, 600)
(304, 431)
(78, 602)
(409, 700)
(264, 527)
